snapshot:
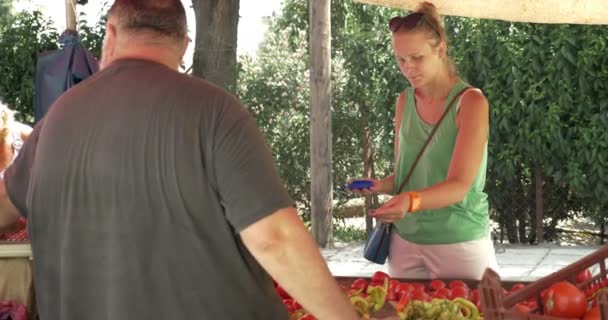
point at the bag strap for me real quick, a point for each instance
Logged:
(428, 140)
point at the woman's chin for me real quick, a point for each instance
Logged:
(416, 81)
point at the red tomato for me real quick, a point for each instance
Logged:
(418, 285)
(402, 303)
(419, 294)
(407, 287)
(393, 290)
(516, 287)
(457, 283)
(404, 290)
(543, 294)
(378, 278)
(289, 304)
(583, 276)
(438, 295)
(461, 292)
(475, 296)
(563, 299)
(359, 284)
(404, 286)
(593, 314)
(447, 293)
(436, 285)
(282, 293)
(393, 283)
(521, 308)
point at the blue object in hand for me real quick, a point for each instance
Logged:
(360, 184)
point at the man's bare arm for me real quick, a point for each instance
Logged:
(285, 248)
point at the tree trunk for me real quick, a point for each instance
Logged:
(523, 212)
(320, 122)
(529, 204)
(371, 202)
(538, 195)
(512, 229)
(509, 219)
(216, 41)
(522, 223)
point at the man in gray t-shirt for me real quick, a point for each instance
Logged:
(152, 195)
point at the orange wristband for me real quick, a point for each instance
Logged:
(415, 201)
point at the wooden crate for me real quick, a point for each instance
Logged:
(498, 307)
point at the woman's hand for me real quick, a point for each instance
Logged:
(393, 210)
(374, 189)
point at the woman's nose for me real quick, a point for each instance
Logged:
(407, 67)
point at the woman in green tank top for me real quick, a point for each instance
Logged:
(440, 220)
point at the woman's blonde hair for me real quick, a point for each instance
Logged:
(432, 23)
(6, 119)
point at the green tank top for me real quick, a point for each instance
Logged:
(464, 221)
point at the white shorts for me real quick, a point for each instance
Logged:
(465, 260)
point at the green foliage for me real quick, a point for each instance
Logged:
(5, 10)
(277, 95)
(347, 233)
(547, 89)
(21, 39)
(92, 35)
(365, 84)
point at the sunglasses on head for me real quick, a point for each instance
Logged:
(409, 22)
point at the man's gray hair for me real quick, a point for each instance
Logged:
(165, 17)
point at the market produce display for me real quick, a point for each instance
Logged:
(455, 300)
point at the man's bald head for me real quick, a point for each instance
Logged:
(146, 29)
(164, 17)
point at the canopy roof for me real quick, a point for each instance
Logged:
(537, 11)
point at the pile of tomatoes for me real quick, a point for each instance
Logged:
(368, 295)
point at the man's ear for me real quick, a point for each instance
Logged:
(184, 46)
(109, 45)
(111, 34)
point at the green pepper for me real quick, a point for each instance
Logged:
(376, 297)
(360, 304)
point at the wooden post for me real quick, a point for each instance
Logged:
(70, 14)
(320, 122)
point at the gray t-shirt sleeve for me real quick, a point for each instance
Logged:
(17, 175)
(247, 178)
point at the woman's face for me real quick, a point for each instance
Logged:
(419, 59)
